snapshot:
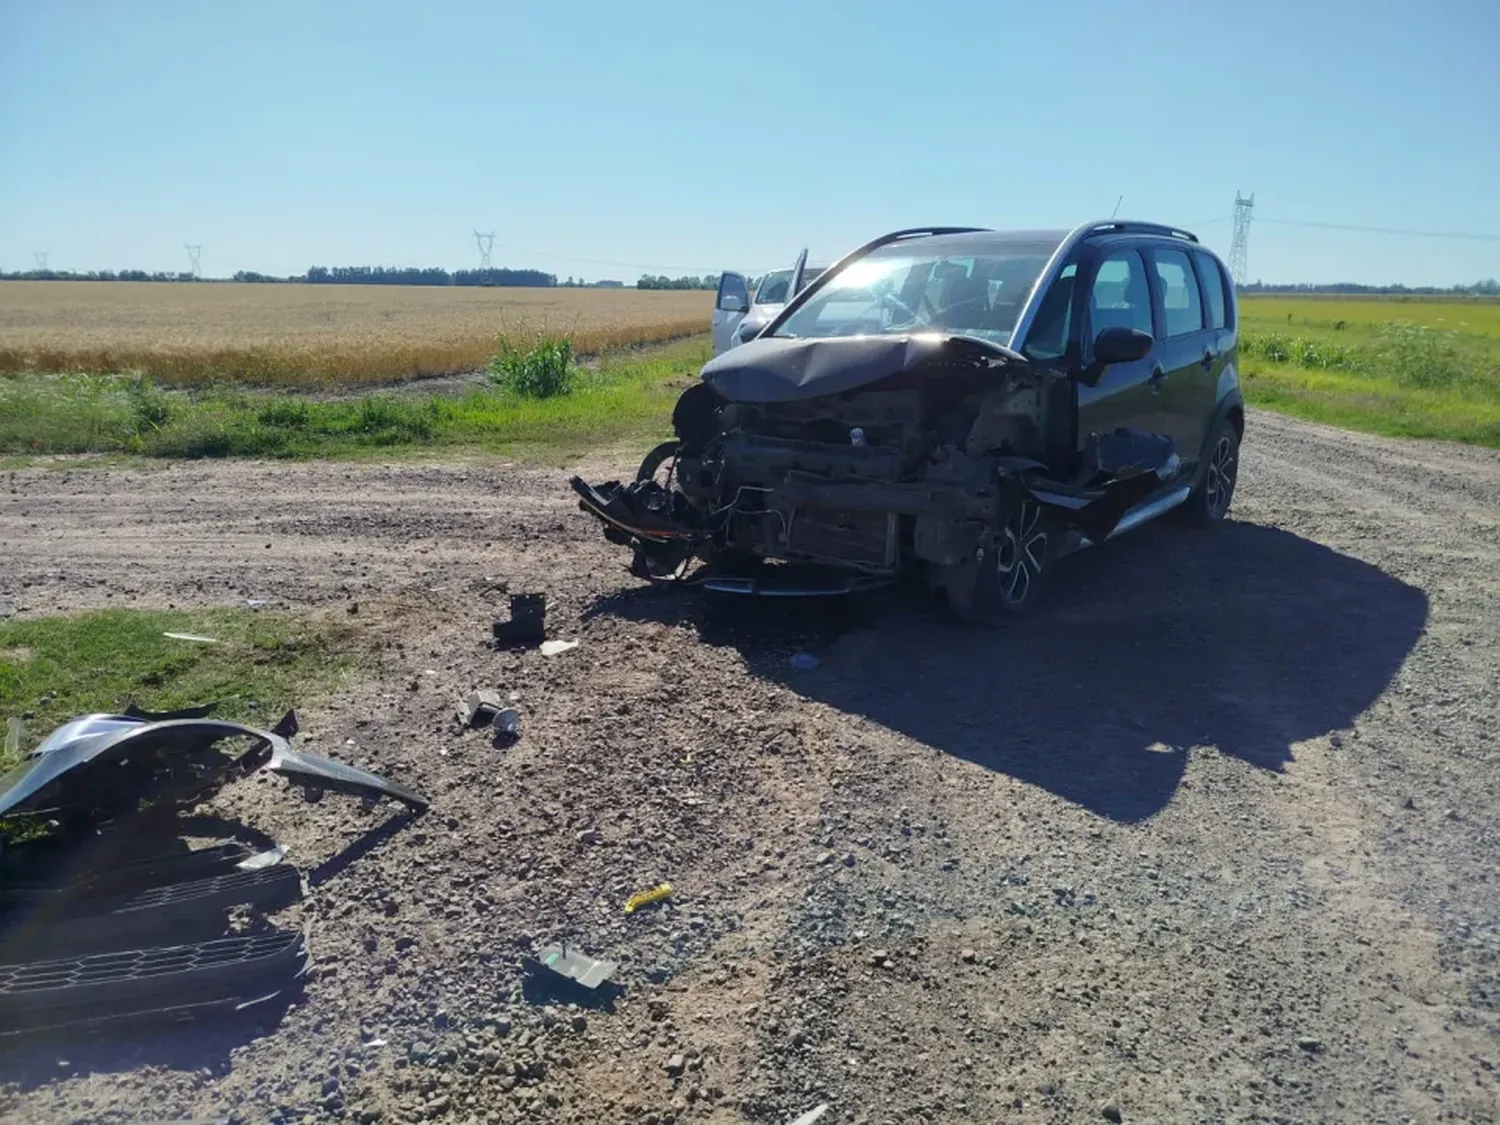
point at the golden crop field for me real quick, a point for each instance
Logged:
(315, 335)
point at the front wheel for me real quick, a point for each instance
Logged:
(1210, 500)
(653, 461)
(1007, 579)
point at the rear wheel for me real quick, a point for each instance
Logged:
(1009, 576)
(1209, 503)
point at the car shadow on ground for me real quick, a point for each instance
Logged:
(1247, 638)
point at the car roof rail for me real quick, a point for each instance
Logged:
(854, 255)
(1132, 226)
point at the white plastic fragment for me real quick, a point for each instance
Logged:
(552, 648)
(193, 637)
(814, 1114)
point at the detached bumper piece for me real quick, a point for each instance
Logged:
(170, 981)
(100, 768)
(113, 915)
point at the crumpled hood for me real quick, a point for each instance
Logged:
(785, 369)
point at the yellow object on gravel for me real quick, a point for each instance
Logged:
(644, 897)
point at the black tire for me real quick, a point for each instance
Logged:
(1009, 578)
(654, 460)
(1210, 499)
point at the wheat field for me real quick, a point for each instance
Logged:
(293, 335)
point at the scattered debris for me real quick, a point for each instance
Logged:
(1409, 805)
(574, 966)
(804, 662)
(644, 897)
(1110, 1110)
(109, 915)
(481, 708)
(193, 637)
(99, 767)
(507, 722)
(674, 1066)
(812, 1115)
(552, 648)
(256, 603)
(528, 621)
(15, 732)
(1310, 1043)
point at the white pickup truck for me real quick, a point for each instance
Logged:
(739, 315)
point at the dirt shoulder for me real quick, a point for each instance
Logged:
(1151, 849)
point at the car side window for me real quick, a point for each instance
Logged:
(1179, 293)
(1048, 338)
(1119, 297)
(1213, 285)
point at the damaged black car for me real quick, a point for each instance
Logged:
(956, 406)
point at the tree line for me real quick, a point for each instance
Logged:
(321, 275)
(661, 281)
(1487, 288)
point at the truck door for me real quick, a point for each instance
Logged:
(730, 305)
(1125, 395)
(1187, 352)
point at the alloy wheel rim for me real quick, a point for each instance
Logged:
(1221, 474)
(1021, 552)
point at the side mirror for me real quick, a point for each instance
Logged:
(731, 302)
(1122, 345)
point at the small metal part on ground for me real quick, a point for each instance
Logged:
(574, 966)
(481, 708)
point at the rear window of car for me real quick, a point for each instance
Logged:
(1179, 293)
(1213, 285)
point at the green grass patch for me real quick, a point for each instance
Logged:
(625, 400)
(1428, 369)
(53, 669)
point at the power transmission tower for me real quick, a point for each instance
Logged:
(486, 244)
(41, 258)
(1239, 249)
(195, 254)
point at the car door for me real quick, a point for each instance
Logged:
(730, 305)
(1218, 295)
(797, 271)
(1184, 373)
(1119, 296)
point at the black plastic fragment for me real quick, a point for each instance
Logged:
(206, 975)
(155, 915)
(528, 621)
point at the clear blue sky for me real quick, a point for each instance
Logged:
(286, 133)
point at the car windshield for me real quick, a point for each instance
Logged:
(964, 289)
(774, 288)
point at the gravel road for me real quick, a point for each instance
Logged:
(1212, 840)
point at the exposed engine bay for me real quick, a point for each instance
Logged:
(858, 461)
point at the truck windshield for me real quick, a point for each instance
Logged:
(966, 290)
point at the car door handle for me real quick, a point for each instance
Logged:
(1207, 360)
(1158, 376)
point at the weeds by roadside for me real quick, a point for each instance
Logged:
(544, 370)
(626, 399)
(1408, 381)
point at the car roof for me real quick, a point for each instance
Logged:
(970, 243)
